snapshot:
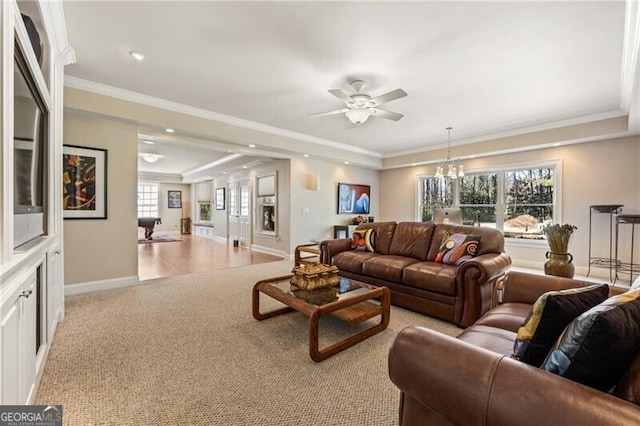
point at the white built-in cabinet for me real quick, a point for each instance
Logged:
(31, 275)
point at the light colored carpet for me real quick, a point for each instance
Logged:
(185, 350)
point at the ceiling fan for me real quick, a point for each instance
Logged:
(361, 106)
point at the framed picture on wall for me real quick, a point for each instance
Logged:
(354, 199)
(220, 199)
(175, 199)
(84, 182)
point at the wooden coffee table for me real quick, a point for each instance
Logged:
(353, 304)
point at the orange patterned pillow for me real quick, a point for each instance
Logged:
(363, 240)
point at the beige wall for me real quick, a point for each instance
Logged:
(171, 217)
(314, 211)
(97, 250)
(604, 172)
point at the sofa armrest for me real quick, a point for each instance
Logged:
(442, 377)
(521, 287)
(330, 248)
(445, 375)
(475, 281)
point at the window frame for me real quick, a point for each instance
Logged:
(500, 196)
(157, 192)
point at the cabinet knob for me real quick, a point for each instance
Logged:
(26, 293)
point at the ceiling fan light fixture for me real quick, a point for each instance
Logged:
(150, 158)
(358, 115)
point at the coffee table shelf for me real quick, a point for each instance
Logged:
(359, 303)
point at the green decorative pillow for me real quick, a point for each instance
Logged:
(550, 314)
(599, 345)
(457, 248)
(363, 240)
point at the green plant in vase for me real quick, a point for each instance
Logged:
(559, 261)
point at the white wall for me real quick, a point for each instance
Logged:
(604, 172)
(314, 211)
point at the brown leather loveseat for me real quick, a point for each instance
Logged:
(404, 261)
(472, 379)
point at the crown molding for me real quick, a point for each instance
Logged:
(127, 95)
(505, 133)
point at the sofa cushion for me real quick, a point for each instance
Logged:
(387, 267)
(384, 233)
(599, 345)
(412, 239)
(457, 248)
(492, 239)
(491, 338)
(431, 276)
(351, 260)
(508, 316)
(550, 314)
(363, 240)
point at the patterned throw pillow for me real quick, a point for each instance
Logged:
(457, 248)
(599, 345)
(550, 314)
(363, 240)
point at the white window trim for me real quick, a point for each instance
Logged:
(557, 193)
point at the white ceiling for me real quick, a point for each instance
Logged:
(482, 67)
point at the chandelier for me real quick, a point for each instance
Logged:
(454, 170)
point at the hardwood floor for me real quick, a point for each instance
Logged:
(193, 254)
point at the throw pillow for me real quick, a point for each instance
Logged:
(457, 248)
(550, 314)
(363, 240)
(599, 345)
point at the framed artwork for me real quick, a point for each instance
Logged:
(220, 199)
(353, 199)
(204, 212)
(175, 199)
(84, 182)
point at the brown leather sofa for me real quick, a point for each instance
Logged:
(472, 380)
(404, 261)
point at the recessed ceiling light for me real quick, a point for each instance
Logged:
(169, 130)
(148, 142)
(137, 55)
(346, 162)
(244, 167)
(306, 155)
(224, 173)
(252, 146)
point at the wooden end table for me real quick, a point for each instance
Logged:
(353, 304)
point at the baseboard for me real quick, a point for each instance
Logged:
(267, 250)
(71, 289)
(219, 239)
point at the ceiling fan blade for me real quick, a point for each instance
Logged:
(338, 111)
(388, 97)
(390, 115)
(338, 93)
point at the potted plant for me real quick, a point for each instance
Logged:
(559, 259)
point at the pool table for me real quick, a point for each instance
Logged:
(148, 223)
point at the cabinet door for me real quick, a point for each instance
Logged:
(18, 327)
(29, 327)
(10, 325)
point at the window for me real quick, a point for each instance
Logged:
(517, 201)
(147, 199)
